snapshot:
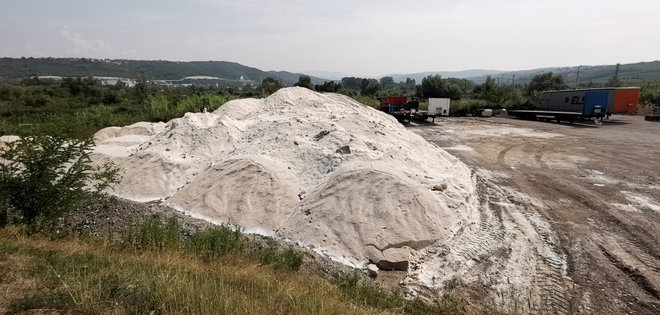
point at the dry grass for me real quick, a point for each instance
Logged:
(90, 276)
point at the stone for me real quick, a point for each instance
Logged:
(344, 150)
(372, 270)
(395, 259)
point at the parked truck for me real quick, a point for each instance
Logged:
(402, 109)
(584, 104)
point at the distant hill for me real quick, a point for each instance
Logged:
(331, 75)
(16, 68)
(631, 74)
(445, 74)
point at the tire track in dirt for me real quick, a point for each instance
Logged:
(440, 265)
(633, 273)
(553, 296)
(630, 237)
(550, 294)
(502, 154)
(507, 217)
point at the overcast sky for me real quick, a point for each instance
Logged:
(355, 37)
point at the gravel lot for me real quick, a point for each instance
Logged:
(586, 200)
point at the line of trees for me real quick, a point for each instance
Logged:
(489, 93)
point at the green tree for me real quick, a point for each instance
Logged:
(497, 95)
(141, 92)
(410, 83)
(369, 87)
(544, 82)
(351, 83)
(305, 81)
(328, 86)
(387, 82)
(436, 86)
(42, 177)
(270, 85)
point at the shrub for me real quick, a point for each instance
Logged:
(42, 177)
(154, 235)
(215, 242)
(288, 259)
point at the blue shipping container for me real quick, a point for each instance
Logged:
(593, 99)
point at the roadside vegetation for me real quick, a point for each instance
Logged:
(78, 107)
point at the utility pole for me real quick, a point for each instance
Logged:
(577, 77)
(616, 72)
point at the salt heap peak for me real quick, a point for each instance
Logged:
(318, 169)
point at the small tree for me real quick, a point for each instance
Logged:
(369, 87)
(387, 82)
(42, 177)
(305, 81)
(328, 86)
(544, 82)
(436, 86)
(270, 85)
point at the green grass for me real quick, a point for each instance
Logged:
(215, 242)
(214, 271)
(153, 234)
(208, 244)
(76, 276)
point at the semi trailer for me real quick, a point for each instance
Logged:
(584, 104)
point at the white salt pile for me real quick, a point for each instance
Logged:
(318, 169)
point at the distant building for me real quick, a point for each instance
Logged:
(115, 81)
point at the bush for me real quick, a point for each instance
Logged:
(153, 234)
(215, 242)
(41, 177)
(288, 259)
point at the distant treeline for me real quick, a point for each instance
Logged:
(20, 68)
(80, 106)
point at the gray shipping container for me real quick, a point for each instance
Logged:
(574, 100)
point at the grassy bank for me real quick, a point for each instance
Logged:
(154, 269)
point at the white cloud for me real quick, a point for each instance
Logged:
(80, 46)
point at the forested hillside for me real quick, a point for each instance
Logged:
(628, 74)
(15, 68)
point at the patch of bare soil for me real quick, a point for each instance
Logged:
(570, 216)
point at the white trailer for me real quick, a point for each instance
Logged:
(438, 107)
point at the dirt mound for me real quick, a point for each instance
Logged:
(318, 169)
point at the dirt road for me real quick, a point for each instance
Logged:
(570, 216)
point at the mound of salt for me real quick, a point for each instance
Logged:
(318, 169)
